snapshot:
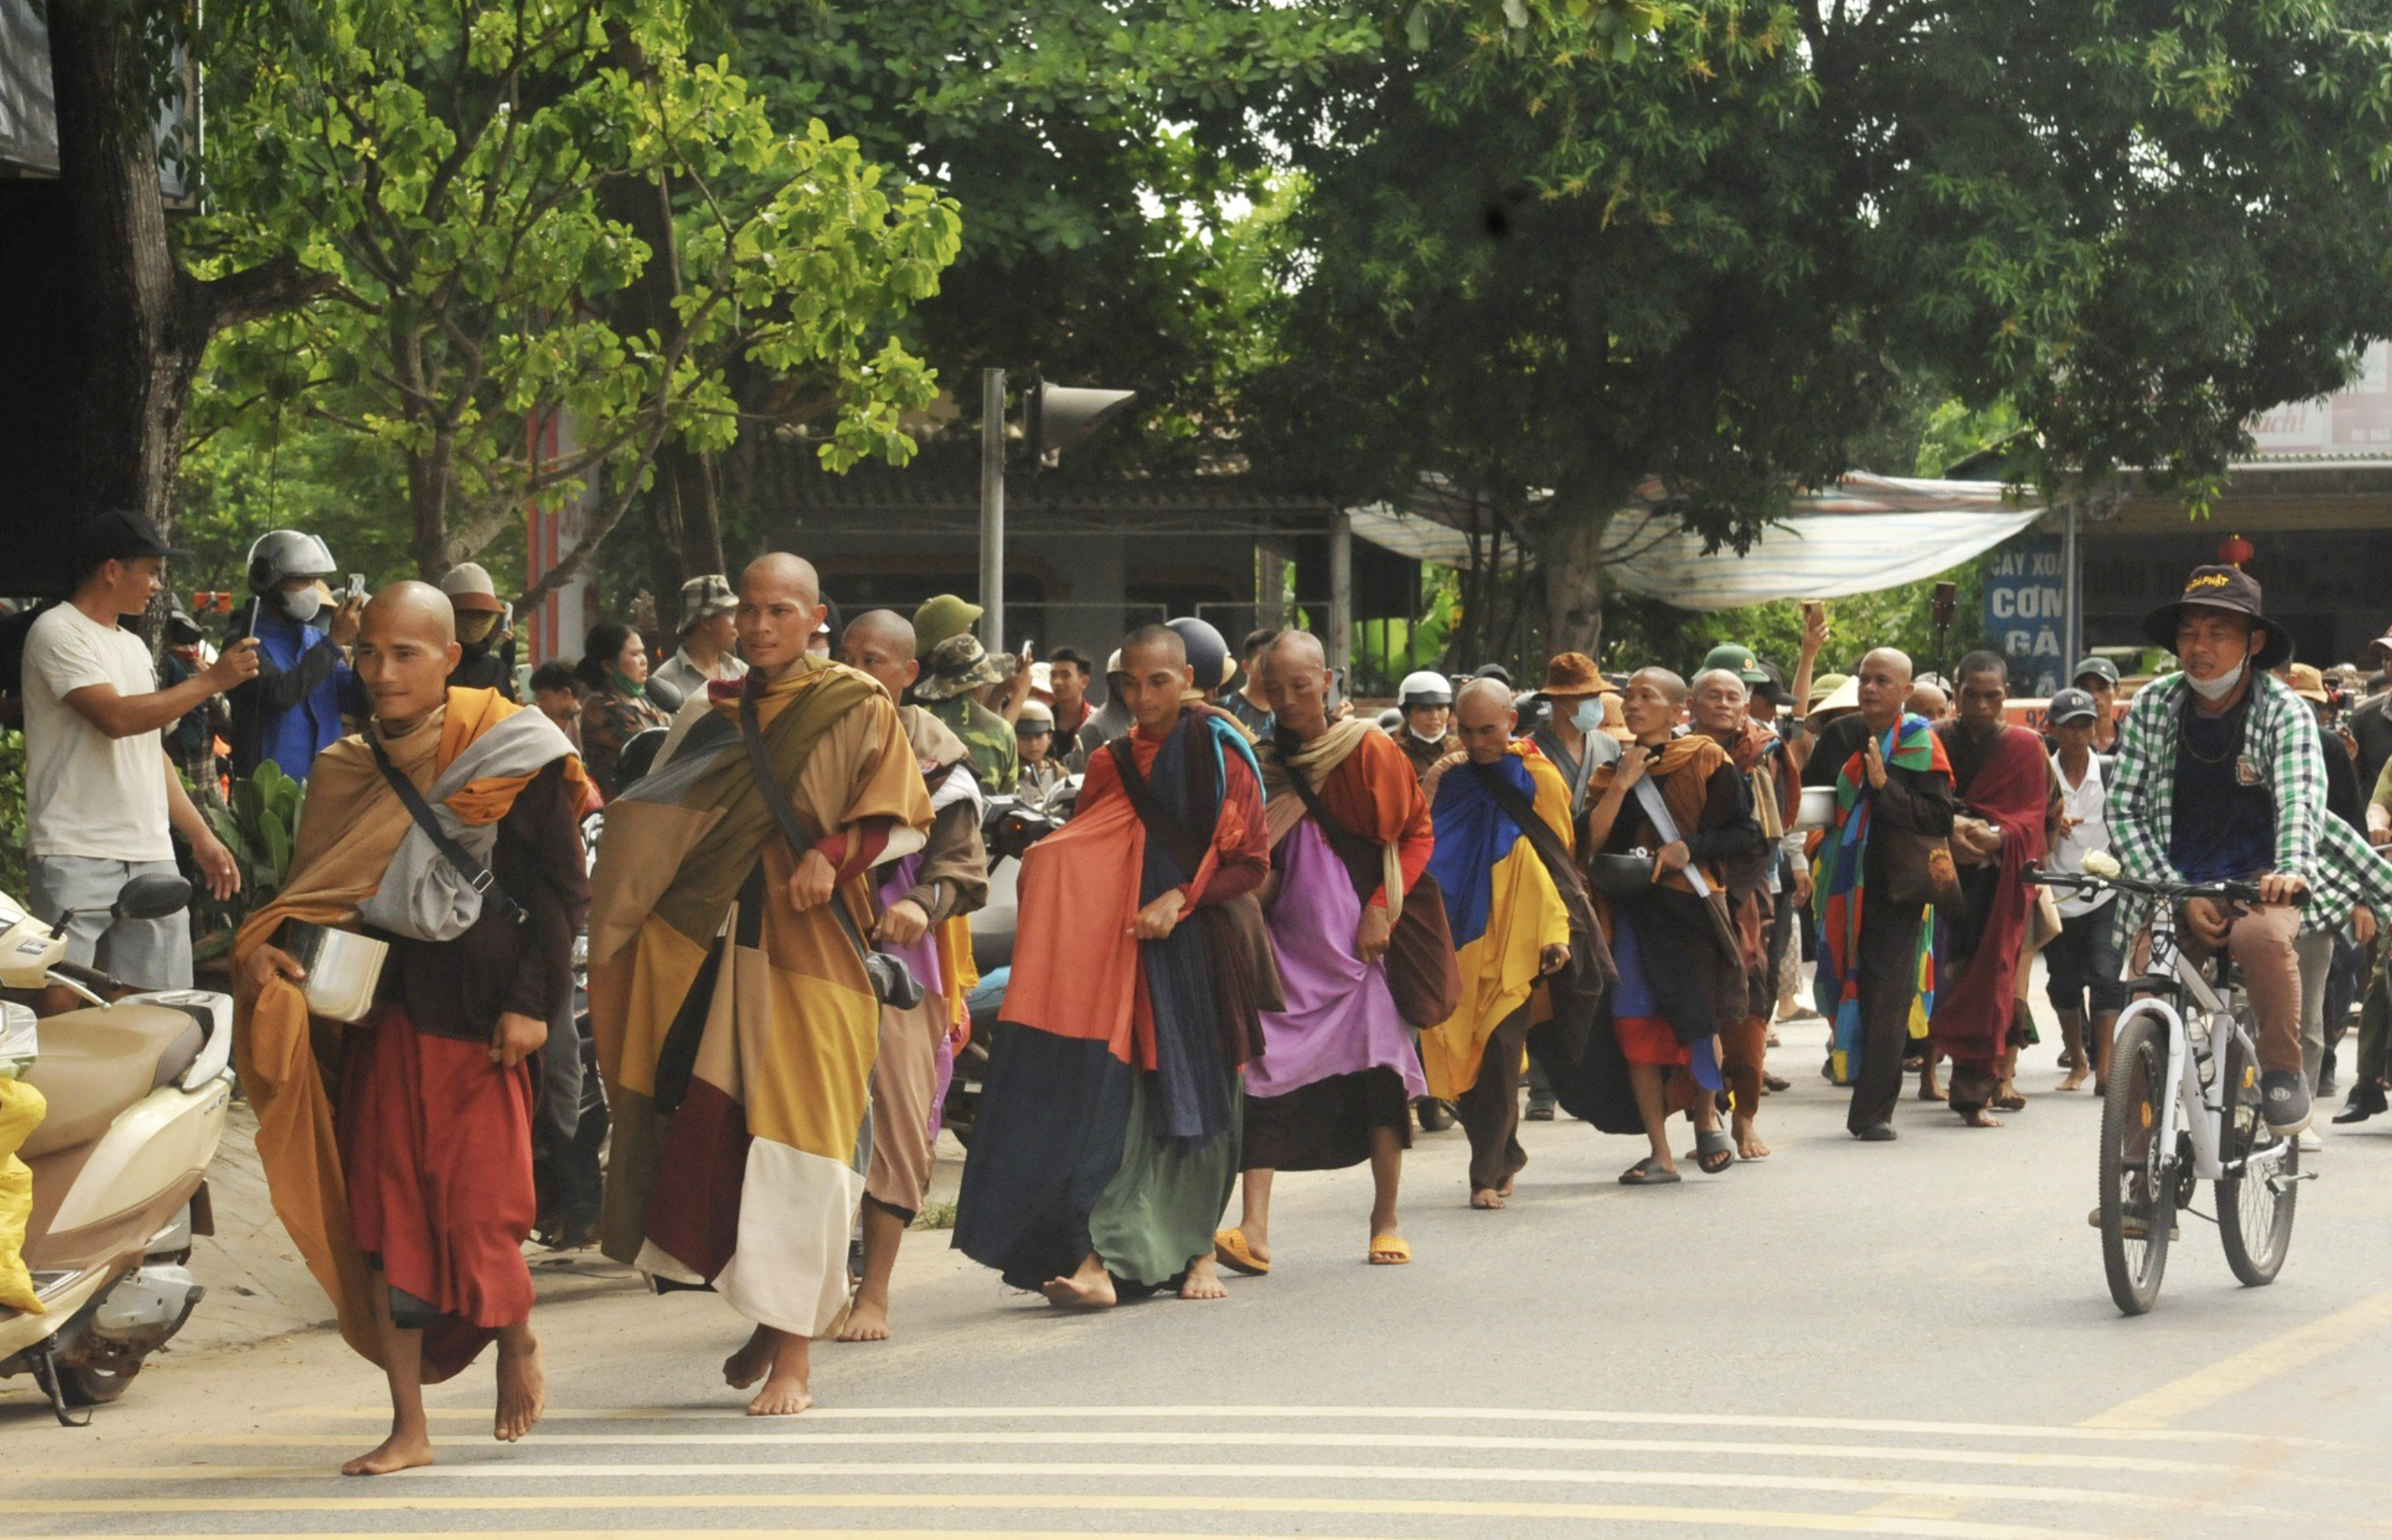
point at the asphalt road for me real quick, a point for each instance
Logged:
(1907, 1340)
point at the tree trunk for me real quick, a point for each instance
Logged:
(141, 323)
(685, 526)
(1570, 556)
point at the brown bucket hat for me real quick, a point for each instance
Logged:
(2228, 589)
(1571, 674)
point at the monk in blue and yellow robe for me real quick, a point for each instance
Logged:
(1516, 905)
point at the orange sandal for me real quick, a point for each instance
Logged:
(1389, 1251)
(1230, 1248)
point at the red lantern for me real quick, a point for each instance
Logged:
(2234, 551)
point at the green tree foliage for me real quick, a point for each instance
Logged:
(1121, 202)
(1547, 255)
(444, 162)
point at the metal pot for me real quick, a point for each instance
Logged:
(1818, 810)
(344, 969)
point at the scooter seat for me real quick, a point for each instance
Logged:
(94, 1063)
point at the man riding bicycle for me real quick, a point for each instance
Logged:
(2221, 778)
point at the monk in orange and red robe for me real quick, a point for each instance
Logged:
(1107, 1136)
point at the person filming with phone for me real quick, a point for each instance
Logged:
(291, 711)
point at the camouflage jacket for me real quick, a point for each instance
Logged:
(996, 758)
(609, 721)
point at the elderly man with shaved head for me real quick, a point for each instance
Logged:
(1871, 884)
(450, 827)
(732, 992)
(1107, 1138)
(1350, 838)
(1525, 937)
(923, 902)
(1678, 801)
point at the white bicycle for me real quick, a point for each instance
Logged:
(2182, 1107)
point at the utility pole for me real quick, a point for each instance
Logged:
(992, 509)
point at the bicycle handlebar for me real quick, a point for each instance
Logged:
(2170, 892)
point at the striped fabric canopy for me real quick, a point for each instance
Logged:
(1864, 534)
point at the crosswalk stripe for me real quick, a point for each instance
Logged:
(1443, 1414)
(1241, 1474)
(2247, 1369)
(2012, 1458)
(1613, 1513)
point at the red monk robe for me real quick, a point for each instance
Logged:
(2005, 781)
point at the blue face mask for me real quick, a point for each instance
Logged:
(1588, 717)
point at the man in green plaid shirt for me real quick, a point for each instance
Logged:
(2221, 778)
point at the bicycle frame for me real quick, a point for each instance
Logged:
(2206, 1126)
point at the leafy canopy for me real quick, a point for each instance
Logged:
(444, 162)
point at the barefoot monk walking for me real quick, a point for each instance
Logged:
(405, 1180)
(736, 1019)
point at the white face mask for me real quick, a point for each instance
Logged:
(1588, 717)
(304, 604)
(2220, 687)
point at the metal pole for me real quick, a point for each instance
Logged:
(1341, 597)
(2071, 594)
(992, 509)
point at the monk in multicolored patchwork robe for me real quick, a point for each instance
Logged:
(403, 1169)
(1523, 934)
(1107, 1136)
(736, 1019)
(1349, 842)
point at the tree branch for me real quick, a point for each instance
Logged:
(274, 285)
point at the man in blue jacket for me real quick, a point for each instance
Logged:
(291, 711)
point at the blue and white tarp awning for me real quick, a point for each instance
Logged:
(1864, 534)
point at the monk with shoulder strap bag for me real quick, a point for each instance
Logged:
(892, 982)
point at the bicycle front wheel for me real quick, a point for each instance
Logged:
(2254, 1198)
(2137, 1186)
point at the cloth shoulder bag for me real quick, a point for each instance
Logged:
(1423, 973)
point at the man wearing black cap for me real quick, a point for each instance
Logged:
(2221, 777)
(100, 793)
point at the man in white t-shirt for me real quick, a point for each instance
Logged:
(2082, 963)
(100, 791)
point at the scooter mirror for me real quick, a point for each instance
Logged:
(152, 896)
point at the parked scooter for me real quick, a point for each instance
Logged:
(140, 1086)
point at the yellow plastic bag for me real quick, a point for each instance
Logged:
(21, 1108)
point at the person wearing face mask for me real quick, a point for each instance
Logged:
(1572, 735)
(291, 711)
(2221, 777)
(1426, 734)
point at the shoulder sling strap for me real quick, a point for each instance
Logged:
(892, 980)
(477, 876)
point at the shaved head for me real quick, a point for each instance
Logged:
(1883, 684)
(886, 627)
(1493, 696)
(1174, 645)
(1665, 681)
(1294, 674)
(780, 610)
(419, 608)
(406, 645)
(1301, 648)
(783, 572)
(1483, 717)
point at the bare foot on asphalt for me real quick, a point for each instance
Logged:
(398, 1452)
(523, 1387)
(751, 1362)
(1089, 1288)
(788, 1389)
(1204, 1280)
(867, 1321)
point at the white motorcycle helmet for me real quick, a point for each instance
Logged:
(281, 553)
(1424, 687)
